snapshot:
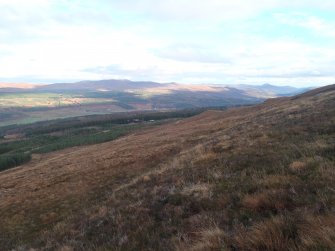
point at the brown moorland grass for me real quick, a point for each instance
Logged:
(217, 181)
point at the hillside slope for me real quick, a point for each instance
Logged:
(252, 178)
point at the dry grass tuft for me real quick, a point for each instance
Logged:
(278, 233)
(66, 248)
(48, 217)
(207, 156)
(207, 240)
(199, 190)
(223, 146)
(284, 232)
(274, 200)
(146, 178)
(318, 232)
(298, 166)
(99, 212)
(276, 181)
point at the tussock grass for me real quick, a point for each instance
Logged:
(208, 239)
(289, 232)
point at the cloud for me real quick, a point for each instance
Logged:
(313, 23)
(20, 22)
(192, 53)
(186, 10)
(119, 71)
(212, 10)
(183, 41)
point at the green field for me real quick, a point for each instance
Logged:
(24, 107)
(47, 99)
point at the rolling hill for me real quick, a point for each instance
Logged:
(251, 178)
(271, 90)
(25, 103)
(104, 85)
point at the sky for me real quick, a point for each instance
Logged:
(281, 42)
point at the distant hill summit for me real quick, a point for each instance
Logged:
(104, 85)
(318, 91)
(272, 90)
(123, 85)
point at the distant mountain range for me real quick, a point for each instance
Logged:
(272, 90)
(24, 103)
(100, 85)
(259, 91)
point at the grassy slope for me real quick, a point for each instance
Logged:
(255, 178)
(18, 142)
